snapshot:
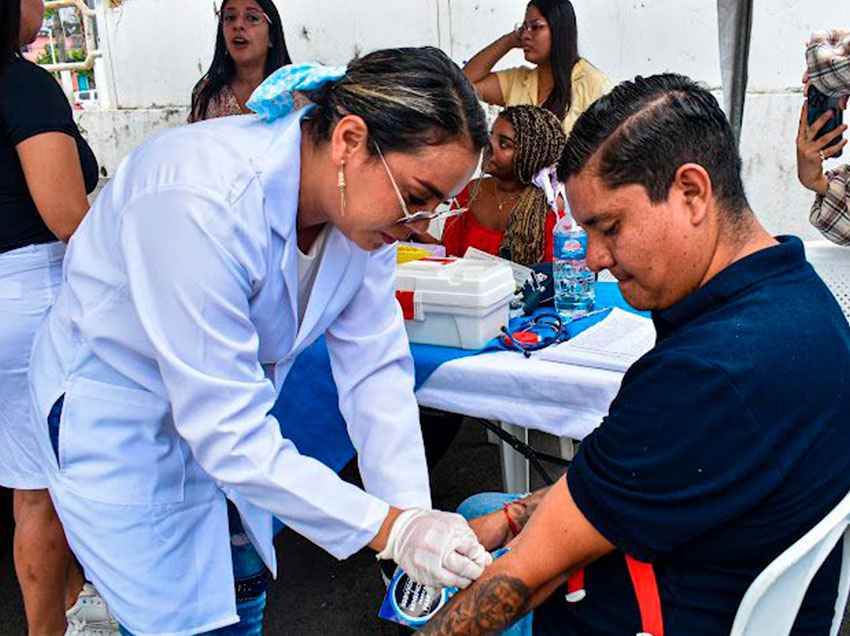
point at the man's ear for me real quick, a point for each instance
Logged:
(692, 186)
(350, 137)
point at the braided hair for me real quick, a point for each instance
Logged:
(539, 142)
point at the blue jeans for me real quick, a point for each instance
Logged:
(483, 504)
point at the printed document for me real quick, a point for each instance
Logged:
(614, 343)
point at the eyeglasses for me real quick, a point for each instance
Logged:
(253, 18)
(419, 215)
(532, 26)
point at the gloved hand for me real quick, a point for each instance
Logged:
(436, 548)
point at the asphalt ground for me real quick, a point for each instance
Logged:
(315, 594)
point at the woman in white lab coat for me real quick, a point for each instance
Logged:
(218, 252)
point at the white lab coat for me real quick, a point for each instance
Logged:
(170, 339)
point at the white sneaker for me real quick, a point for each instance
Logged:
(89, 616)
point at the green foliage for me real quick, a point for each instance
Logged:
(44, 58)
(75, 55)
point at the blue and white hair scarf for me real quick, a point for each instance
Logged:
(273, 98)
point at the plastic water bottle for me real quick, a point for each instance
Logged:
(574, 291)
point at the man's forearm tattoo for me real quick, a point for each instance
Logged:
(488, 607)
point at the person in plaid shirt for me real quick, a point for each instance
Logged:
(828, 69)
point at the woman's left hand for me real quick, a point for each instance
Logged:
(812, 152)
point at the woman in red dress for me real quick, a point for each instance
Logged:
(506, 213)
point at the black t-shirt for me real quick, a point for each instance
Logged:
(31, 103)
(726, 443)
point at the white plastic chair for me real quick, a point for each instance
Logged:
(771, 603)
(832, 263)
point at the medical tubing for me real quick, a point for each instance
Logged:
(522, 448)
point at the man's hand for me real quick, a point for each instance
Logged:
(495, 531)
(558, 539)
(492, 530)
(811, 152)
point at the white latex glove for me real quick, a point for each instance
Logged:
(436, 548)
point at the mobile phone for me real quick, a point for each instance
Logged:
(818, 105)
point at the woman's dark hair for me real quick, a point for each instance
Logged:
(562, 25)
(10, 28)
(408, 98)
(223, 70)
(645, 129)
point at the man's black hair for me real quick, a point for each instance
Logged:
(644, 130)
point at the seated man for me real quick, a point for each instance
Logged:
(727, 441)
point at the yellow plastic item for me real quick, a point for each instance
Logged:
(407, 253)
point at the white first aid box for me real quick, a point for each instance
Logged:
(454, 302)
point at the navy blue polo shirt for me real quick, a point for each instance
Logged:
(725, 444)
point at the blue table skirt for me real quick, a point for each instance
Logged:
(307, 407)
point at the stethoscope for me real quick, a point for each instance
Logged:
(535, 333)
(540, 331)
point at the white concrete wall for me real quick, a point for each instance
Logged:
(159, 48)
(781, 29)
(114, 133)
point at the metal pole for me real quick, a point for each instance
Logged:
(52, 47)
(103, 72)
(735, 23)
(92, 53)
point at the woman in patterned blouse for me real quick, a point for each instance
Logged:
(828, 70)
(249, 47)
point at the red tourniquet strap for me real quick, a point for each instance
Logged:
(646, 591)
(575, 587)
(648, 599)
(515, 529)
(576, 581)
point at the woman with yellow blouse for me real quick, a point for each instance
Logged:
(561, 81)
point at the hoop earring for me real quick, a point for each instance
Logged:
(340, 183)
